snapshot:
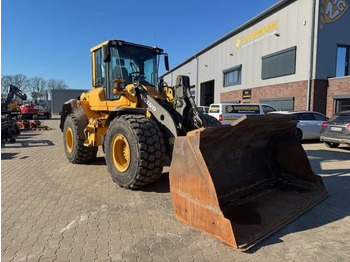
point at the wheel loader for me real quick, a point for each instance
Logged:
(238, 183)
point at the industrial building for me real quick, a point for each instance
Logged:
(294, 56)
(59, 97)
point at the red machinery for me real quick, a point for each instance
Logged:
(28, 111)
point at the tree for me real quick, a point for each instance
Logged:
(30, 86)
(37, 84)
(53, 84)
(19, 80)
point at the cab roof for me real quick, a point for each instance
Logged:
(116, 42)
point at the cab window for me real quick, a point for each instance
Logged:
(99, 69)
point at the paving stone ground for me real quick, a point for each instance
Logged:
(52, 210)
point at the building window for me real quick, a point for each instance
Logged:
(278, 64)
(232, 76)
(343, 60)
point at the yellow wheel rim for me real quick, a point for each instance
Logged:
(69, 139)
(121, 153)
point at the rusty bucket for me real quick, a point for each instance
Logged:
(240, 183)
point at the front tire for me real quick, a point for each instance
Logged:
(331, 144)
(74, 147)
(209, 120)
(134, 151)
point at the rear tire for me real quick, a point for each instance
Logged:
(299, 134)
(134, 151)
(331, 144)
(74, 147)
(209, 120)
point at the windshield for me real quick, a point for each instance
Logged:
(126, 60)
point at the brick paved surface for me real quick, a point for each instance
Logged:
(52, 210)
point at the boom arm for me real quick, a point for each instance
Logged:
(14, 90)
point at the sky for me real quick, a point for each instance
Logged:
(52, 38)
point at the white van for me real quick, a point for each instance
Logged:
(228, 112)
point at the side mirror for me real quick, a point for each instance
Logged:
(106, 54)
(166, 62)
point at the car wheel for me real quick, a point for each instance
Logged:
(299, 134)
(331, 144)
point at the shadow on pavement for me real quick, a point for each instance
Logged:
(318, 156)
(333, 208)
(159, 186)
(28, 143)
(99, 161)
(8, 156)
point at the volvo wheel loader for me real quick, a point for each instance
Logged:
(238, 183)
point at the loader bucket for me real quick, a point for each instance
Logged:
(241, 183)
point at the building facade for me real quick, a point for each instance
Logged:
(294, 56)
(59, 97)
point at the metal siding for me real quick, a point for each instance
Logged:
(329, 36)
(294, 27)
(60, 96)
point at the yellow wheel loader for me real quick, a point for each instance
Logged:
(238, 183)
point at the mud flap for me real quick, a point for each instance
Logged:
(241, 183)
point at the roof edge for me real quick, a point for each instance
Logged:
(274, 8)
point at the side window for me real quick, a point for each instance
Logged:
(99, 69)
(306, 116)
(320, 117)
(267, 109)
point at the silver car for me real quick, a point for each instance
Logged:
(336, 130)
(309, 125)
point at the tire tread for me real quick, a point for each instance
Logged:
(151, 146)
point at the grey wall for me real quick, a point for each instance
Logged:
(58, 97)
(333, 30)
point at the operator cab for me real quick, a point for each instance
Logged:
(116, 59)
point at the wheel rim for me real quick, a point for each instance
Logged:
(121, 153)
(69, 139)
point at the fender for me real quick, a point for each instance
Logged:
(122, 111)
(71, 107)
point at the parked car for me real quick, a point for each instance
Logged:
(336, 130)
(228, 112)
(309, 125)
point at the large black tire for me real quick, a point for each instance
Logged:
(74, 147)
(15, 129)
(134, 151)
(209, 120)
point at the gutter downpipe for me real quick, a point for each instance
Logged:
(309, 82)
(197, 87)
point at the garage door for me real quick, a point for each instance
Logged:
(280, 103)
